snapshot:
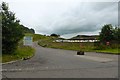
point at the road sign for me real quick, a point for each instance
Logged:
(28, 40)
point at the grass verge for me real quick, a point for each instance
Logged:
(21, 52)
(88, 47)
(113, 51)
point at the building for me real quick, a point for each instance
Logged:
(80, 38)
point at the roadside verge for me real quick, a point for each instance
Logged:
(22, 53)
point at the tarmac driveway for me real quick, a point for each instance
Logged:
(57, 63)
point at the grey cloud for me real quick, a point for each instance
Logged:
(75, 30)
(64, 17)
(104, 5)
(86, 18)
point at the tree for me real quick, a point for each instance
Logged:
(106, 34)
(55, 35)
(11, 30)
(32, 30)
(117, 34)
(27, 30)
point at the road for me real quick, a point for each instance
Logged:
(56, 63)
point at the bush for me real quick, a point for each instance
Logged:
(102, 46)
(11, 30)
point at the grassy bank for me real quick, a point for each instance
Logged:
(47, 41)
(113, 51)
(69, 46)
(88, 47)
(36, 37)
(21, 52)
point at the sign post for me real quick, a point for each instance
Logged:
(28, 40)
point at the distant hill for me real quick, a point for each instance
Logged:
(85, 37)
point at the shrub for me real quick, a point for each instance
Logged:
(11, 30)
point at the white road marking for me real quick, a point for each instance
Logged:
(11, 69)
(25, 69)
(99, 59)
(18, 69)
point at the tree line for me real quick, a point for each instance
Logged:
(12, 30)
(109, 34)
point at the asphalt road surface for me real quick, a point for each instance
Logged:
(56, 63)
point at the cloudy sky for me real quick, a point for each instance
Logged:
(67, 18)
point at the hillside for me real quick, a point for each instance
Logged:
(85, 37)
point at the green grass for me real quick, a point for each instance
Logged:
(88, 47)
(36, 37)
(114, 51)
(66, 45)
(21, 52)
(72, 46)
(46, 41)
